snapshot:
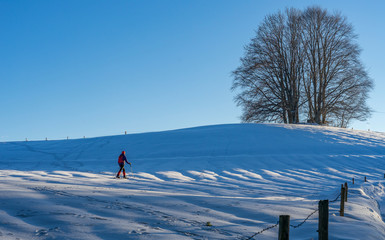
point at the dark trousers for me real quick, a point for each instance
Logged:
(121, 165)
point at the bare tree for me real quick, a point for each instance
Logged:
(336, 84)
(303, 62)
(270, 74)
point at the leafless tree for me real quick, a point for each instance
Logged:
(303, 62)
(270, 74)
(336, 84)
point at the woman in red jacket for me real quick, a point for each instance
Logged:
(121, 160)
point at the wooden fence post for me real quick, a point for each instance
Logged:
(323, 222)
(284, 224)
(342, 205)
(346, 191)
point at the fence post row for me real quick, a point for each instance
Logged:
(284, 224)
(323, 220)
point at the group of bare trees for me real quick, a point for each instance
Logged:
(303, 66)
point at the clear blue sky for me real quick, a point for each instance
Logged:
(95, 68)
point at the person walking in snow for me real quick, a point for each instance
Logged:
(121, 160)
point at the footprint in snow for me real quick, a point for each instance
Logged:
(139, 231)
(41, 232)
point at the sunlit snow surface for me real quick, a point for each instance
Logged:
(238, 177)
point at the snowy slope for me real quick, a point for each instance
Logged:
(238, 177)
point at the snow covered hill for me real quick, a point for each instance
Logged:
(237, 177)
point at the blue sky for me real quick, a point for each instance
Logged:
(95, 68)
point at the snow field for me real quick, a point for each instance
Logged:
(239, 177)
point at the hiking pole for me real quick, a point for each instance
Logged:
(132, 174)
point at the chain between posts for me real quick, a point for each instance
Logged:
(297, 226)
(255, 234)
(335, 200)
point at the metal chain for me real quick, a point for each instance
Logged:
(297, 226)
(255, 234)
(335, 200)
